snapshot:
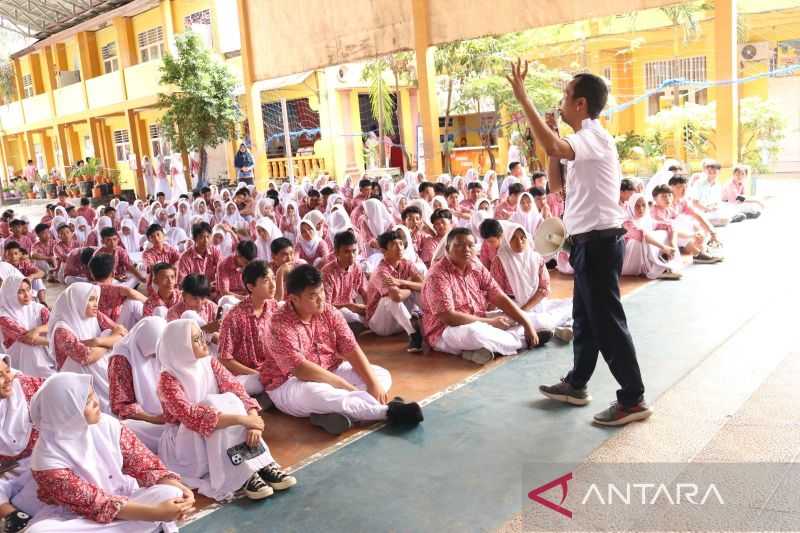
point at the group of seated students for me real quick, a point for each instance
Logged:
(181, 322)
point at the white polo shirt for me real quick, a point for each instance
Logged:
(593, 181)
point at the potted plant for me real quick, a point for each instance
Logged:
(24, 189)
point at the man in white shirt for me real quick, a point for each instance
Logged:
(706, 196)
(593, 220)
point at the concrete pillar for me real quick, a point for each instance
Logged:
(252, 100)
(136, 148)
(727, 96)
(426, 76)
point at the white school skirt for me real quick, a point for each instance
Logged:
(203, 463)
(33, 361)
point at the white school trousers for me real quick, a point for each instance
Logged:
(305, 398)
(149, 434)
(18, 487)
(69, 280)
(131, 313)
(350, 316)
(251, 383)
(476, 335)
(57, 519)
(391, 317)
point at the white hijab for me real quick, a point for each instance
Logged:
(67, 441)
(25, 315)
(69, 312)
(177, 237)
(378, 218)
(527, 219)
(522, 269)
(8, 270)
(139, 348)
(409, 253)
(130, 242)
(478, 216)
(184, 220)
(309, 246)
(102, 223)
(81, 234)
(273, 232)
(644, 222)
(235, 220)
(15, 422)
(339, 221)
(177, 358)
(226, 248)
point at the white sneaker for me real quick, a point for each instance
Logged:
(670, 275)
(256, 488)
(481, 356)
(564, 333)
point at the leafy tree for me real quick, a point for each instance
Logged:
(762, 129)
(201, 111)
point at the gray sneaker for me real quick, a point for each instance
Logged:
(564, 392)
(705, 259)
(617, 415)
(481, 356)
(333, 423)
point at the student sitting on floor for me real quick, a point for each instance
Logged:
(194, 296)
(316, 368)
(455, 298)
(311, 247)
(651, 248)
(521, 273)
(283, 261)
(66, 243)
(15, 256)
(201, 257)
(165, 293)
(92, 471)
(207, 412)
(344, 281)
(23, 324)
(393, 292)
(43, 253)
(121, 304)
(442, 222)
(159, 252)
(76, 267)
(690, 240)
(18, 501)
(125, 272)
(133, 372)
(244, 331)
(229, 271)
(492, 235)
(733, 193)
(684, 216)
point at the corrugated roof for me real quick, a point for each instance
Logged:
(38, 19)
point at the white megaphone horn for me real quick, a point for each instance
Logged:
(550, 237)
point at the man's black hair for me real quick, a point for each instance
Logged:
(450, 190)
(424, 185)
(661, 189)
(516, 188)
(62, 226)
(594, 89)
(301, 278)
(196, 285)
(12, 245)
(152, 229)
(512, 166)
(160, 193)
(386, 237)
(108, 232)
(101, 266)
(242, 191)
(364, 183)
(490, 228)
(440, 189)
(199, 227)
(85, 201)
(678, 179)
(536, 174)
(313, 193)
(344, 238)
(537, 191)
(456, 232)
(253, 272)
(411, 210)
(474, 185)
(326, 191)
(439, 214)
(279, 244)
(626, 185)
(40, 228)
(17, 222)
(247, 249)
(86, 255)
(158, 267)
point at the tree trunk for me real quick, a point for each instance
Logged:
(202, 172)
(486, 138)
(381, 145)
(406, 158)
(447, 125)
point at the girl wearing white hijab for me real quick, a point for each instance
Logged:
(81, 230)
(266, 232)
(177, 238)
(650, 249)
(92, 471)
(94, 238)
(233, 218)
(483, 210)
(290, 221)
(77, 336)
(178, 178)
(207, 412)
(18, 501)
(339, 221)
(527, 214)
(490, 187)
(521, 273)
(133, 372)
(310, 246)
(184, 218)
(23, 323)
(376, 220)
(321, 225)
(225, 241)
(131, 240)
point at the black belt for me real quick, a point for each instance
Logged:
(596, 234)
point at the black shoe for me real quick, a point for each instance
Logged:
(16, 521)
(738, 217)
(277, 478)
(264, 401)
(752, 214)
(333, 423)
(415, 342)
(256, 488)
(551, 264)
(564, 392)
(404, 413)
(544, 337)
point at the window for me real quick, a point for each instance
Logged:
(88, 147)
(151, 44)
(689, 68)
(200, 23)
(449, 122)
(156, 148)
(607, 74)
(122, 144)
(109, 54)
(27, 86)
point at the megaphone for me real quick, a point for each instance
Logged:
(550, 236)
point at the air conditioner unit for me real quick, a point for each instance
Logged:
(68, 77)
(754, 51)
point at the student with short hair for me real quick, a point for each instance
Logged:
(201, 257)
(125, 272)
(121, 304)
(229, 270)
(19, 233)
(283, 261)
(733, 193)
(392, 293)
(422, 240)
(456, 296)
(344, 280)
(506, 208)
(245, 328)
(492, 235)
(316, 368)
(165, 294)
(76, 267)
(61, 249)
(43, 251)
(160, 251)
(15, 256)
(195, 296)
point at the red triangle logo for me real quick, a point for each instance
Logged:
(562, 481)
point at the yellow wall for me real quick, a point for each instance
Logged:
(145, 21)
(183, 8)
(102, 38)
